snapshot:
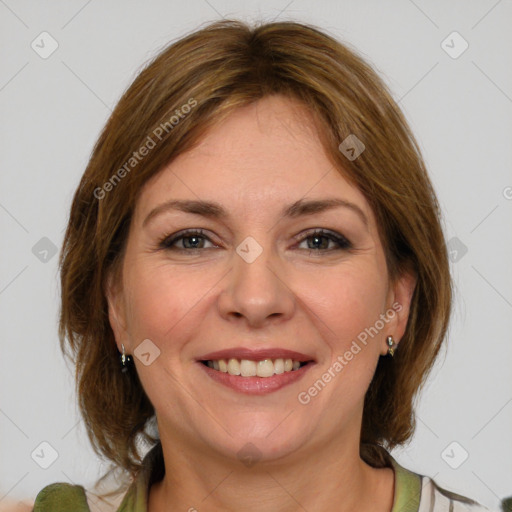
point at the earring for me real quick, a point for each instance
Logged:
(391, 343)
(125, 360)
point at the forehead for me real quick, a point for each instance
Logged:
(263, 155)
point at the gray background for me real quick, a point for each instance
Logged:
(459, 108)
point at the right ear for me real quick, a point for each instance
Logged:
(116, 311)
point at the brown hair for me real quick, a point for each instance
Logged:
(215, 70)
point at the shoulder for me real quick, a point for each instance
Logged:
(419, 493)
(61, 497)
(64, 497)
(437, 499)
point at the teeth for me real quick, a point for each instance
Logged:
(248, 368)
(265, 368)
(234, 367)
(279, 366)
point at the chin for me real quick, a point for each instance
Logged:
(258, 441)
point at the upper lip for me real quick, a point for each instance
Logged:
(256, 355)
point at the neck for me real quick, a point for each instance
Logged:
(324, 478)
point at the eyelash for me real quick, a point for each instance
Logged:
(168, 241)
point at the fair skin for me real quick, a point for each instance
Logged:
(301, 293)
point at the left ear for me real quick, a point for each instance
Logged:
(399, 300)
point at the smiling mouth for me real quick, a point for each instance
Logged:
(252, 368)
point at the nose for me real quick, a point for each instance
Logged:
(256, 293)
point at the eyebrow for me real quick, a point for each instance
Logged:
(214, 210)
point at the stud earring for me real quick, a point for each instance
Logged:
(391, 345)
(125, 360)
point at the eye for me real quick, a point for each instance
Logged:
(190, 240)
(321, 239)
(318, 240)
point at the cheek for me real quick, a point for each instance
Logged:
(160, 300)
(347, 299)
(348, 302)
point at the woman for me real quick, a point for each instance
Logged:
(255, 282)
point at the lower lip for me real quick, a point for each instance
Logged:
(256, 385)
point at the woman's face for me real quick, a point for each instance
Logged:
(259, 283)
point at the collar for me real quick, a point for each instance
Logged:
(407, 487)
(407, 491)
(152, 469)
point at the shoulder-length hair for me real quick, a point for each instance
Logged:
(189, 87)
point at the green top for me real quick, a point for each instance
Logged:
(411, 492)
